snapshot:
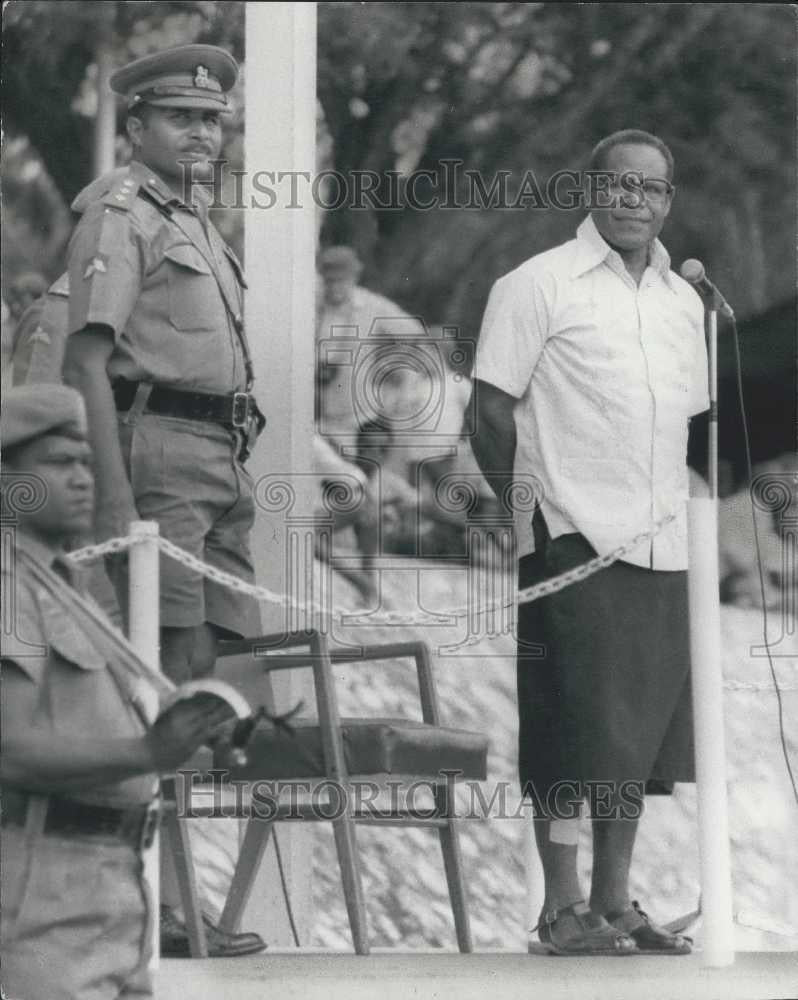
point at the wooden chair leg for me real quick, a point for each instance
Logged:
(256, 839)
(177, 832)
(453, 865)
(349, 861)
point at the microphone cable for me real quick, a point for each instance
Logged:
(750, 476)
(284, 883)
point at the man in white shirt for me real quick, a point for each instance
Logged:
(591, 360)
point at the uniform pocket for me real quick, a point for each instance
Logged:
(143, 452)
(66, 638)
(65, 875)
(193, 293)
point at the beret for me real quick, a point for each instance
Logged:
(188, 76)
(29, 411)
(339, 259)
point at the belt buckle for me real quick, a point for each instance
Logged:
(149, 826)
(240, 415)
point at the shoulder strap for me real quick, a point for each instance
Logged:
(125, 666)
(122, 194)
(232, 307)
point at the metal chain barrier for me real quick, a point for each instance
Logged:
(526, 596)
(546, 588)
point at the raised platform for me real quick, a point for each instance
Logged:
(392, 975)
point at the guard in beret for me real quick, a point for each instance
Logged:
(158, 349)
(81, 753)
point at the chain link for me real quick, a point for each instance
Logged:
(583, 571)
(362, 616)
(753, 686)
(91, 553)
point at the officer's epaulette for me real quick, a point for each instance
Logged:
(122, 193)
(103, 187)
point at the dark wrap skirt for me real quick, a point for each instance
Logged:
(603, 673)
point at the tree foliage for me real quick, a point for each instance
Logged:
(498, 86)
(532, 87)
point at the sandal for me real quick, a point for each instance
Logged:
(577, 930)
(650, 938)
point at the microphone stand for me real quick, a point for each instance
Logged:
(711, 328)
(707, 689)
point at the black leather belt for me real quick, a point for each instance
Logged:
(235, 410)
(135, 826)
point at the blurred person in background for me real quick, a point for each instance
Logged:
(350, 318)
(24, 290)
(20, 295)
(40, 337)
(346, 303)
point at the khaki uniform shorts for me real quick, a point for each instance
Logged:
(185, 476)
(76, 919)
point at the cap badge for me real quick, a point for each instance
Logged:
(201, 78)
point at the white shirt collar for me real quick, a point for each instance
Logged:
(593, 249)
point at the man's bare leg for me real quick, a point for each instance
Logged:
(559, 862)
(188, 653)
(613, 843)
(567, 923)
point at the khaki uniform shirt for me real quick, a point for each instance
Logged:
(77, 693)
(150, 268)
(40, 340)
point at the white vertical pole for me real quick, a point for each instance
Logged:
(712, 431)
(143, 605)
(707, 686)
(105, 121)
(280, 242)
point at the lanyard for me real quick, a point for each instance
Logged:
(232, 309)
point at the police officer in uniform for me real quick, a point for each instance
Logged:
(40, 336)
(80, 752)
(158, 350)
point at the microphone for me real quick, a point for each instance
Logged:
(693, 271)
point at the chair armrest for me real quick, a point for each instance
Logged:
(268, 649)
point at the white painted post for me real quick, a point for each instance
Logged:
(143, 606)
(105, 120)
(710, 745)
(280, 245)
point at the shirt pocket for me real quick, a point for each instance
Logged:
(194, 296)
(65, 637)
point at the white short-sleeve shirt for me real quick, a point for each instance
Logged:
(607, 374)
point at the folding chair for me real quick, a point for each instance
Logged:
(338, 750)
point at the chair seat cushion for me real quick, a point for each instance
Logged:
(371, 746)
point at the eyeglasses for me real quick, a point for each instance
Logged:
(654, 189)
